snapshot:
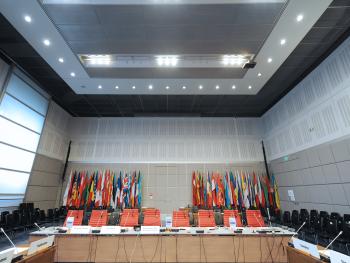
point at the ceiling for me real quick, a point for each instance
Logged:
(328, 32)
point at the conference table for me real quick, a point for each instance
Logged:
(220, 244)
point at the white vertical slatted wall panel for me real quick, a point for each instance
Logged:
(154, 140)
(314, 112)
(55, 135)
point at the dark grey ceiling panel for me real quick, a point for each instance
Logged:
(157, 29)
(159, 73)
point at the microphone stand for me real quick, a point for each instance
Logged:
(341, 232)
(290, 243)
(40, 228)
(16, 250)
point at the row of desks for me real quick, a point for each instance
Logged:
(214, 245)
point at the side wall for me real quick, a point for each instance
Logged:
(307, 138)
(316, 111)
(44, 187)
(318, 176)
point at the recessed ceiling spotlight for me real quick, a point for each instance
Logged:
(233, 87)
(72, 74)
(116, 87)
(133, 87)
(27, 18)
(184, 87)
(217, 87)
(61, 60)
(269, 60)
(200, 87)
(46, 42)
(100, 86)
(300, 17)
(249, 87)
(150, 87)
(283, 41)
(259, 74)
(167, 87)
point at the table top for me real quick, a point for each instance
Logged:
(219, 231)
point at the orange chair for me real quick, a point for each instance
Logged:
(98, 218)
(232, 213)
(129, 218)
(151, 217)
(181, 219)
(78, 217)
(206, 218)
(254, 218)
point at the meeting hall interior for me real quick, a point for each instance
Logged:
(175, 131)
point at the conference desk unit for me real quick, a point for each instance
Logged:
(214, 245)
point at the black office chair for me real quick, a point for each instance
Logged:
(17, 225)
(86, 218)
(295, 219)
(286, 219)
(113, 219)
(346, 232)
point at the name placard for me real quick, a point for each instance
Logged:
(110, 230)
(306, 247)
(81, 230)
(40, 244)
(232, 222)
(337, 257)
(7, 255)
(147, 230)
(70, 222)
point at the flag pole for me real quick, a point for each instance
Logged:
(65, 169)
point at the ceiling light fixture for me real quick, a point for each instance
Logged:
(249, 87)
(133, 87)
(234, 60)
(269, 60)
(100, 86)
(46, 42)
(233, 87)
(116, 87)
(72, 74)
(167, 60)
(99, 60)
(61, 60)
(217, 87)
(150, 87)
(184, 87)
(200, 87)
(283, 41)
(167, 87)
(259, 74)
(27, 18)
(300, 17)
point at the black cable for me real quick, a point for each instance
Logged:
(116, 255)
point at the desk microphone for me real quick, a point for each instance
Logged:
(16, 250)
(40, 228)
(291, 244)
(341, 232)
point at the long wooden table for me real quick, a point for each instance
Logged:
(297, 256)
(170, 248)
(46, 255)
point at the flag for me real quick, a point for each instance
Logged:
(194, 189)
(277, 198)
(98, 192)
(213, 189)
(209, 192)
(68, 189)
